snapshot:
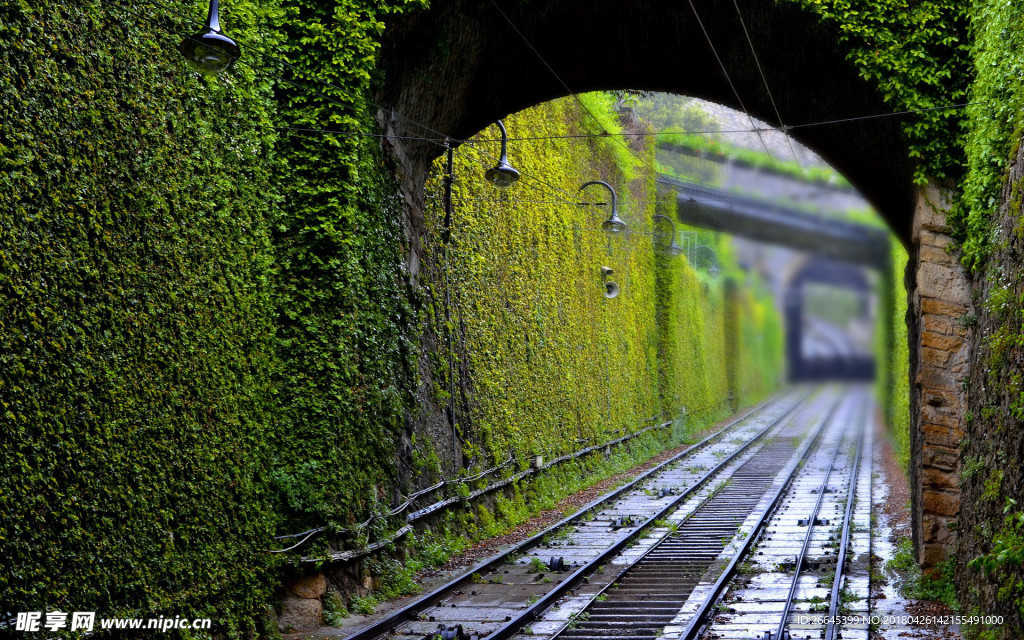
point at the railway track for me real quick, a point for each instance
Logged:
(626, 565)
(811, 568)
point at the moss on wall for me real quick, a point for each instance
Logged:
(136, 319)
(892, 385)
(207, 338)
(542, 360)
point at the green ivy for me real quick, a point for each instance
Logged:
(135, 317)
(993, 123)
(545, 360)
(916, 52)
(892, 383)
(344, 337)
(1002, 563)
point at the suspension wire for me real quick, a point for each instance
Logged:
(764, 79)
(440, 137)
(944, 107)
(512, 200)
(728, 78)
(566, 87)
(570, 136)
(490, 160)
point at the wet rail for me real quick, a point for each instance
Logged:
(504, 593)
(814, 521)
(648, 595)
(797, 584)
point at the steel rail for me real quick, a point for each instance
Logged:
(547, 600)
(831, 629)
(654, 550)
(696, 620)
(409, 613)
(812, 522)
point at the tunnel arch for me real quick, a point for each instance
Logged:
(849, 366)
(459, 66)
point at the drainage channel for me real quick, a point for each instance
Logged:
(511, 587)
(648, 594)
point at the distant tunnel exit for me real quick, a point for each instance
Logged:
(829, 318)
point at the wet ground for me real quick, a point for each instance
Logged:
(891, 523)
(894, 614)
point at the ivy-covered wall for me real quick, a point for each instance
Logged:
(136, 317)
(990, 562)
(542, 360)
(892, 384)
(204, 318)
(917, 54)
(345, 339)
(203, 326)
(206, 334)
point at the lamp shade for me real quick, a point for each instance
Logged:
(502, 175)
(210, 52)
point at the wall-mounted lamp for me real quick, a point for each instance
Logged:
(502, 175)
(210, 52)
(672, 249)
(714, 270)
(614, 223)
(611, 288)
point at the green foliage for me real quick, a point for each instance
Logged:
(917, 54)
(335, 611)
(1002, 564)
(993, 124)
(191, 333)
(1008, 544)
(680, 121)
(918, 586)
(135, 317)
(363, 605)
(712, 147)
(344, 337)
(892, 384)
(541, 352)
(993, 484)
(598, 117)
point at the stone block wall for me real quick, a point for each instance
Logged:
(992, 482)
(940, 297)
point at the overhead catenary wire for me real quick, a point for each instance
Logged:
(768, 90)
(439, 137)
(728, 78)
(569, 136)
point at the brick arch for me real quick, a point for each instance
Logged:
(460, 66)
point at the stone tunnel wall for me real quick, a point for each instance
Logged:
(940, 299)
(991, 520)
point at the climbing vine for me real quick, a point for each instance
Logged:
(135, 317)
(343, 334)
(916, 53)
(206, 333)
(544, 359)
(994, 123)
